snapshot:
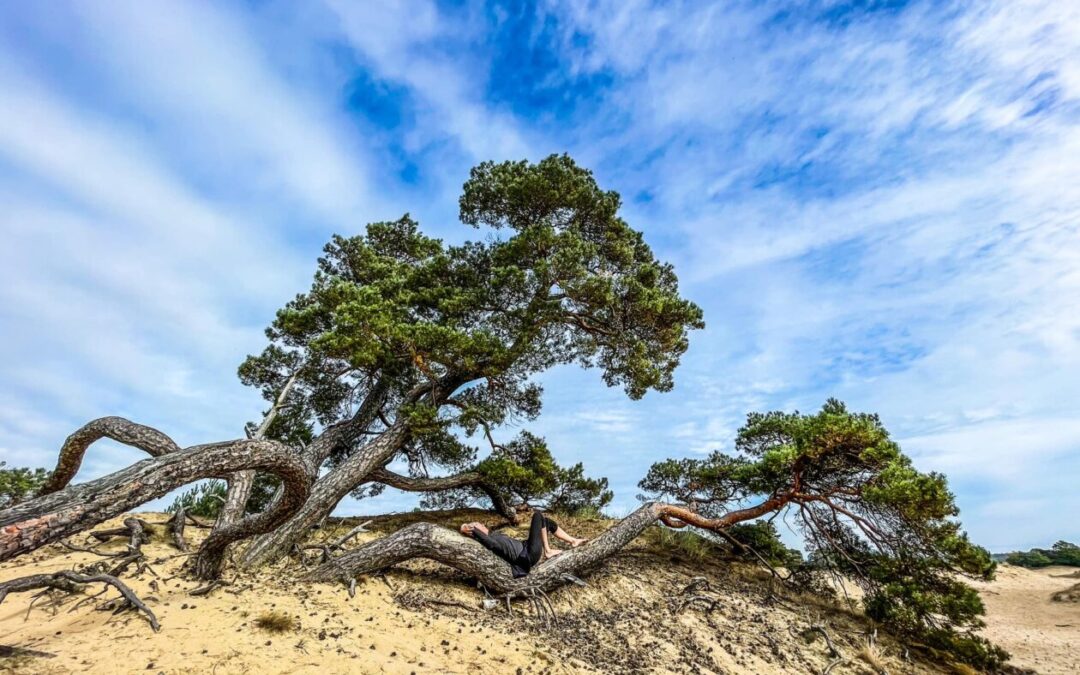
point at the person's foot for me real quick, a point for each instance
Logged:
(552, 553)
(578, 542)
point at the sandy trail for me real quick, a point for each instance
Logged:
(1039, 634)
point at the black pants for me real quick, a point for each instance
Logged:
(534, 546)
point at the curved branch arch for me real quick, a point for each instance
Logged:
(149, 440)
(438, 483)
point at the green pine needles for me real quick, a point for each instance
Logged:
(865, 513)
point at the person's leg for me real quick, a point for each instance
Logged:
(548, 551)
(565, 536)
(536, 545)
(562, 534)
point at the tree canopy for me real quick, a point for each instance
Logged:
(864, 511)
(19, 483)
(406, 347)
(560, 278)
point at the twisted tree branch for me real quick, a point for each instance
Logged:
(461, 480)
(149, 440)
(50, 517)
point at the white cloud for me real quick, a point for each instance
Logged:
(607, 421)
(404, 41)
(1011, 451)
(198, 71)
(126, 286)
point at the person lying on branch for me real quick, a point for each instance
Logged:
(522, 555)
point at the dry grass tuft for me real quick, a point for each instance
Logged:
(963, 669)
(275, 622)
(872, 656)
(1071, 594)
(681, 544)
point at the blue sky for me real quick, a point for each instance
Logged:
(876, 201)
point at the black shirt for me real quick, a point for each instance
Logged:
(509, 549)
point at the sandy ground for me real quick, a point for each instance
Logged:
(626, 620)
(1040, 634)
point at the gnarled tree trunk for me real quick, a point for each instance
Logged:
(65, 512)
(236, 498)
(425, 540)
(240, 483)
(325, 495)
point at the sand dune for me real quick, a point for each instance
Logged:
(1040, 634)
(424, 618)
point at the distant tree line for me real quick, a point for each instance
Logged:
(1062, 553)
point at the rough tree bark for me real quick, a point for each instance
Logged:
(325, 495)
(236, 497)
(425, 540)
(147, 439)
(240, 483)
(438, 484)
(50, 517)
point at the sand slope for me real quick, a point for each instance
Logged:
(624, 621)
(1040, 634)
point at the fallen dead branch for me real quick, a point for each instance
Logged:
(73, 582)
(207, 588)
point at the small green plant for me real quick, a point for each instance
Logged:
(19, 484)
(587, 512)
(275, 622)
(684, 544)
(763, 538)
(204, 500)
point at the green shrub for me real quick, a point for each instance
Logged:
(1062, 553)
(204, 500)
(17, 485)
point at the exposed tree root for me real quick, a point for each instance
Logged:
(134, 528)
(416, 600)
(338, 544)
(117, 562)
(543, 609)
(207, 588)
(834, 652)
(71, 582)
(175, 526)
(690, 595)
